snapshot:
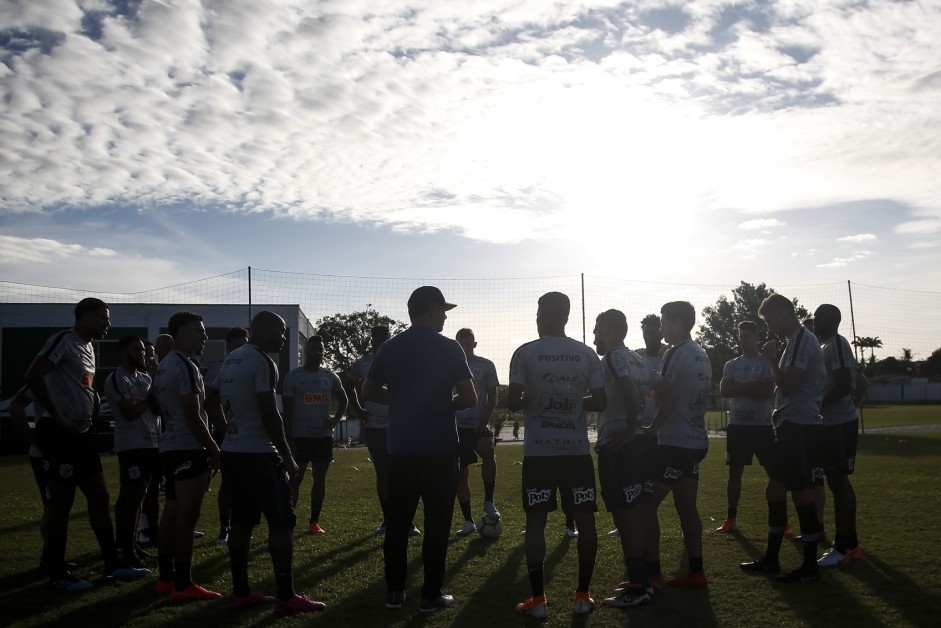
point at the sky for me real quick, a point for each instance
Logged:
(146, 143)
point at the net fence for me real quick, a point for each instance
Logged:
(502, 311)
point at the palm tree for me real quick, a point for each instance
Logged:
(869, 342)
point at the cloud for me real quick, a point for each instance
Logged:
(919, 227)
(760, 224)
(526, 117)
(839, 262)
(860, 237)
(16, 250)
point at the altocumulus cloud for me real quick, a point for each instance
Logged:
(501, 120)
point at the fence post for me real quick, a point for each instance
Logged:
(584, 337)
(849, 288)
(249, 295)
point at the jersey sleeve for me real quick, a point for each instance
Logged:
(288, 389)
(213, 377)
(670, 365)
(265, 377)
(55, 347)
(728, 371)
(518, 367)
(622, 365)
(185, 376)
(377, 371)
(112, 391)
(461, 369)
(491, 378)
(801, 356)
(765, 369)
(335, 379)
(595, 376)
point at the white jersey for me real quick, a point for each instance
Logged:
(246, 372)
(687, 367)
(617, 363)
(484, 378)
(310, 394)
(142, 432)
(377, 414)
(803, 405)
(71, 382)
(837, 355)
(650, 403)
(213, 377)
(177, 376)
(556, 372)
(746, 410)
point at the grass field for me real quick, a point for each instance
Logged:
(898, 582)
(875, 416)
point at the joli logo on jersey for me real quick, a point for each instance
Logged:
(559, 405)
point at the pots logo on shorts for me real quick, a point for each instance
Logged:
(583, 495)
(672, 474)
(183, 467)
(632, 492)
(66, 470)
(534, 497)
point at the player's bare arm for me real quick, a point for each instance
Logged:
(666, 402)
(627, 389)
(787, 379)
(36, 379)
(466, 397)
(190, 405)
(514, 398)
(596, 401)
(342, 402)
(214, 408)
(274, 428)
(487, 414)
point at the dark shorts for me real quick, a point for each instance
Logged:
(625, 473)
(378, 445)
(138, 465)
(469, 437)
(573, 476)
(40, 468)
(838, 448)
(259, 486)
(744, 442)
(72, 457)
(795, 459)
(313, 450)
(673, 463)
(179, 466)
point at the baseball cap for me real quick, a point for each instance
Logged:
(426, 295)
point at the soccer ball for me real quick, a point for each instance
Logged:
(489, 527)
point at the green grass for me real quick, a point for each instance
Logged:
(875, 416)
(897, 583)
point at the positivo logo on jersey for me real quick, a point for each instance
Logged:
(672, 474)
(583, 495)
(632, 492)
(540, 496)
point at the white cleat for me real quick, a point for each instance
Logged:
(467, 528)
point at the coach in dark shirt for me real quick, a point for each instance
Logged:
(415, 373)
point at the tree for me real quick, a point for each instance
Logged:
(869, 342)
(932, 366)
(346, 336)
(718, 332)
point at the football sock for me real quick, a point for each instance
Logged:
(488, 491)
(466, 511)
(807, 514)
(240, 586)
(537, 579)
(284, 581)
(315, 509)
(695, 564)
(654, 568)
(585, 570)
(166, 568)
(637, 570)
(777, 519)
(570, 522)
(733, 512)
(183, 577)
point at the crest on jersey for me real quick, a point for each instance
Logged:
(133, 473)
(66, 470)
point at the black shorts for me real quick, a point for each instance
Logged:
(625, 473)
(378, 444)
(469, 437)
(744, 442)
(838, 449)
(72, 457)
(182, 465)
(40, 468)
(573, 476)
(795, 459)
(259, 486)
(313, 450)
(138, 465)
(674, 463)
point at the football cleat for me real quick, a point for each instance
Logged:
(298, 604)
(629, 595)
(433, 606)
(254, 598)
(534, 607)
(491, 511)
(760, 565)
(395, 599)
(728, 525)
(614, 533)
(467, 528)
(314, 528)
(583, 603)
(193, 592)
(571, 533)
(67, 582)
(690, 580)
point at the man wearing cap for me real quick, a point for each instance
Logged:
(419, 369)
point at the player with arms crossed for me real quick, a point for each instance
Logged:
(255, 457)
(624, 452)
(840, 436)
(800, 380)
(129, 391)
(308, 393)
(187, 453)
(549, 378)
(747, 380)
(682, 440)
(473, 429)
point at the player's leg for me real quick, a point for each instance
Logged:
(405, 474)
(804, 455)
(99, 516)
(685, 493)
(166, 530)
(437, 495)
(61, 498)
(539, 499)
(376, 444)
(131, 490)
(318, 490)
(467, 439)
(190, 490)
(579, 491)
(488, 471)
(150, 508)
(245, 515)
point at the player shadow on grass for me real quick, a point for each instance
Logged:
(895, 588)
